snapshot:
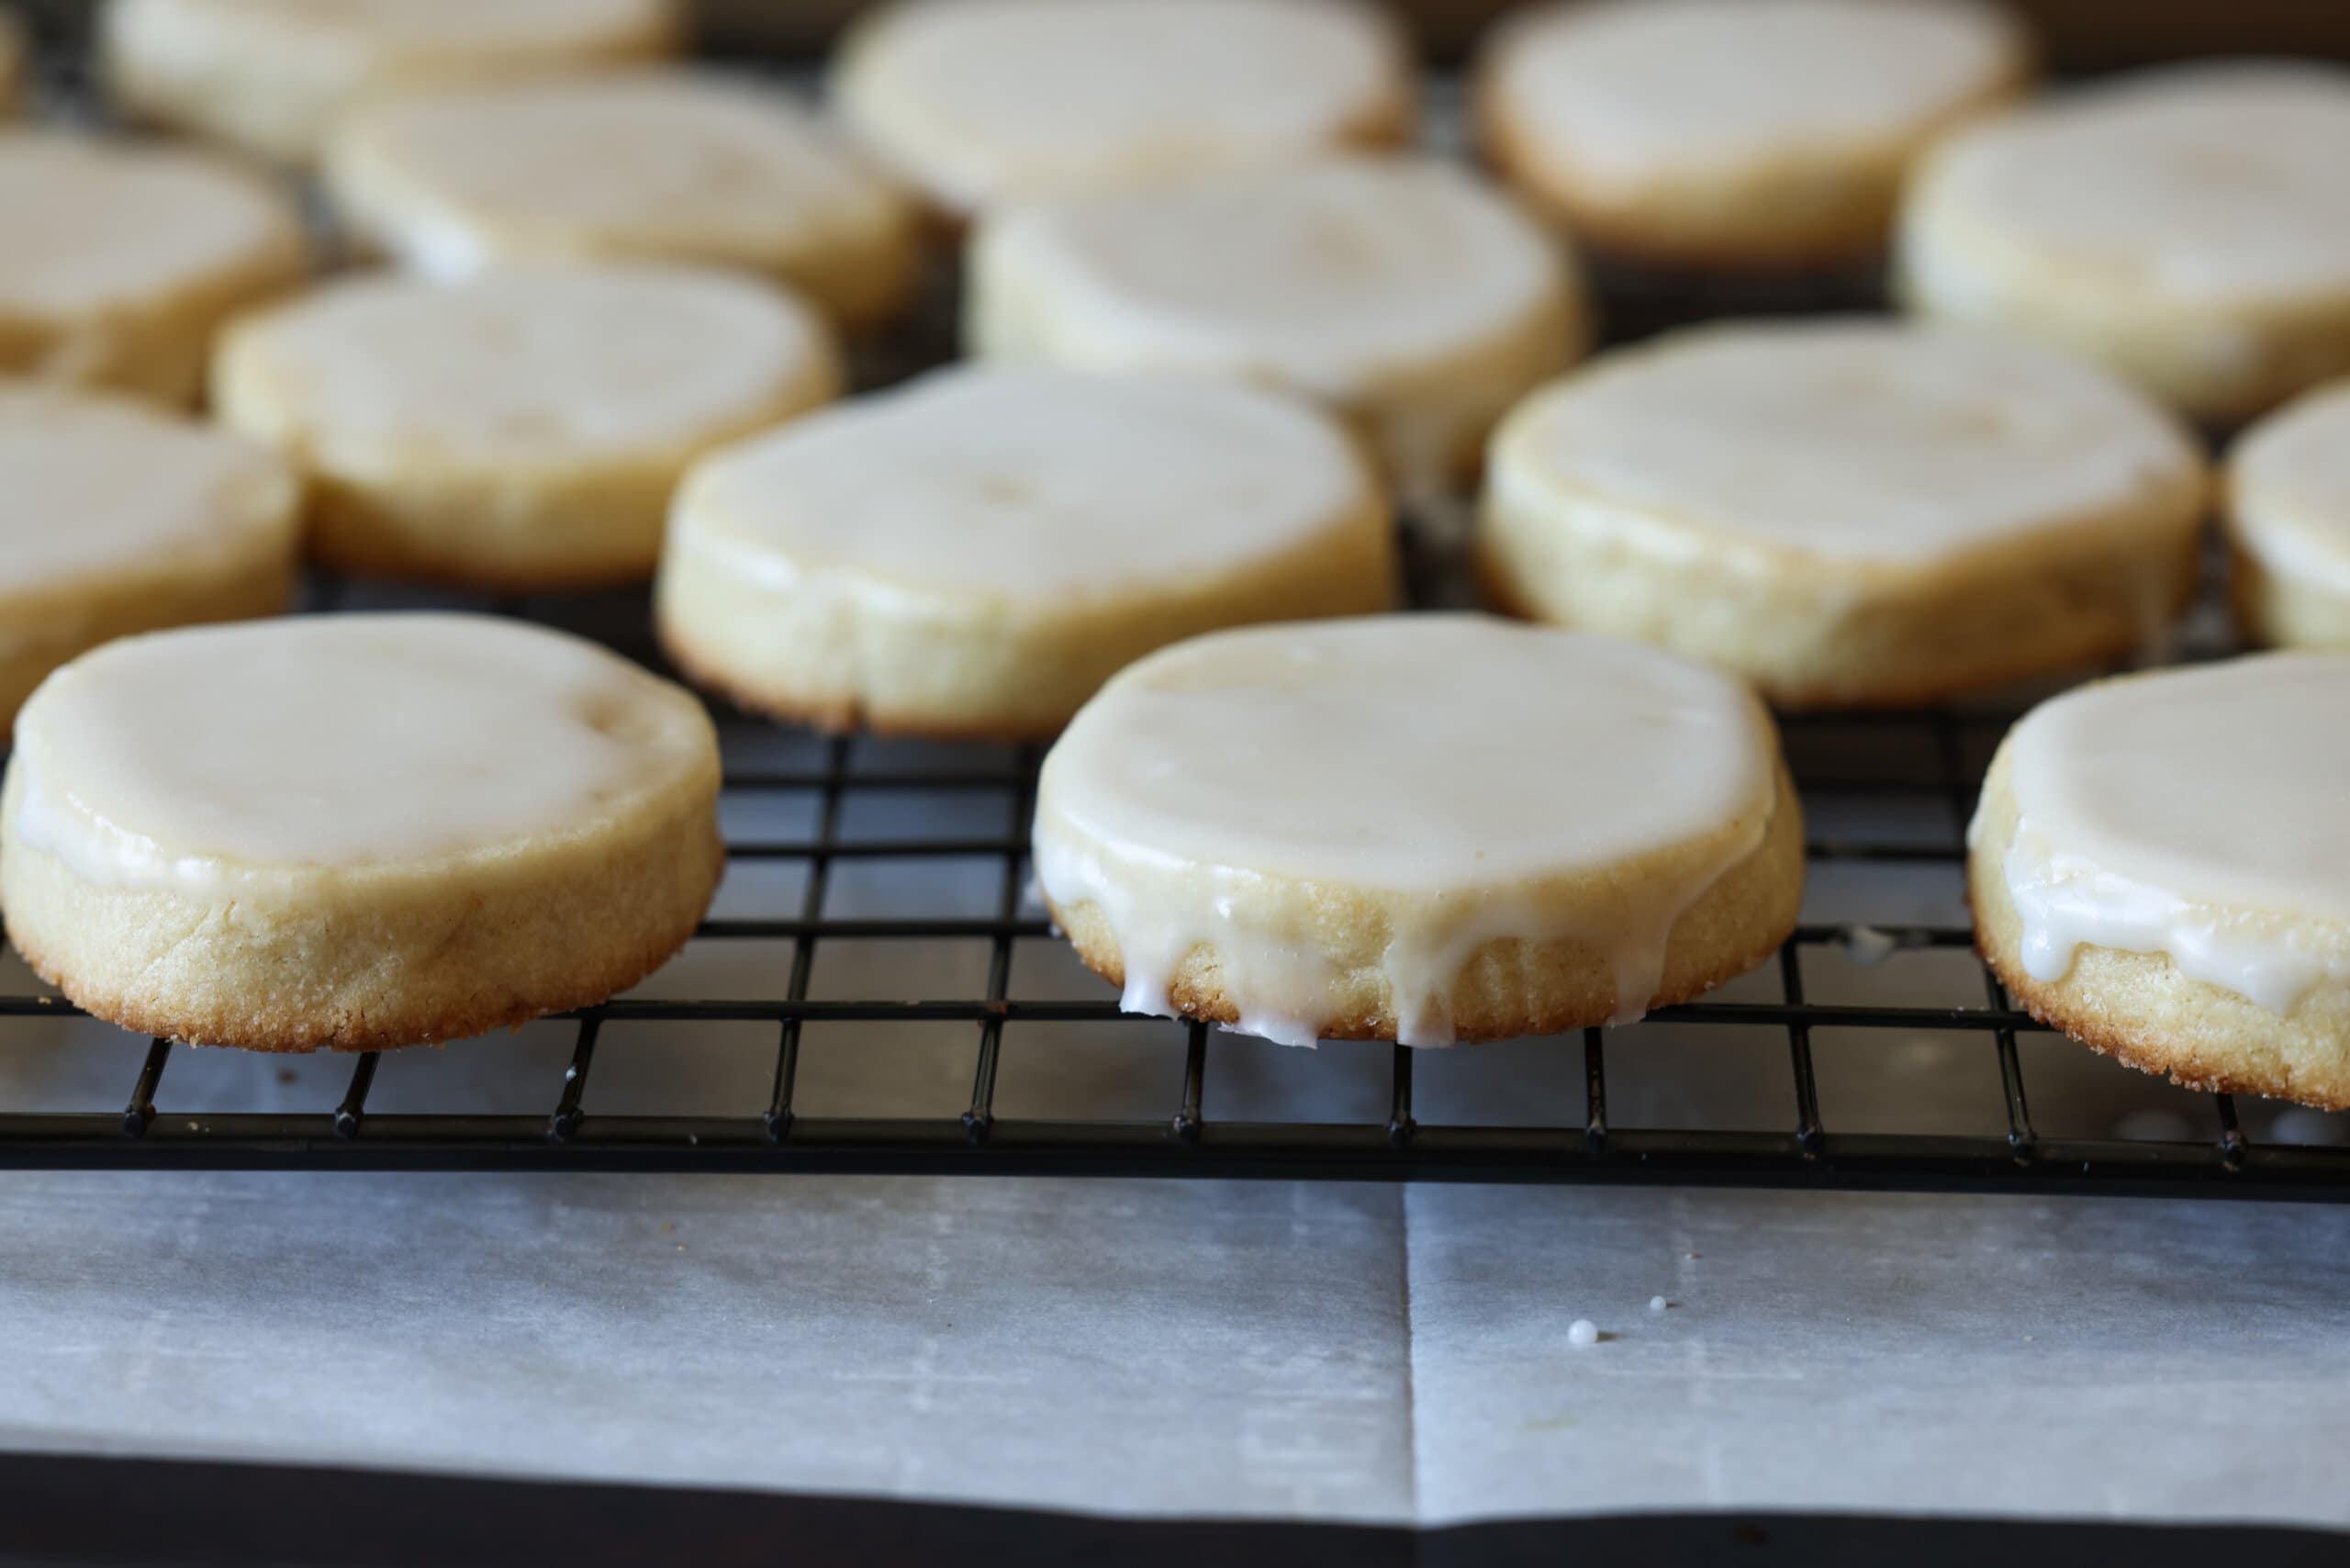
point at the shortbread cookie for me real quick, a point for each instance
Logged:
(270, 76)
(354, 830)
(975, 101)
(1847, 512)
(1422, 828)
(976, 552)
(646, 164)
(118, 262)
(116, 519)
(2289, 520)
(2157, 869)
(521, 431)
(2189, 226)
(1736, 133)
(1399, 291)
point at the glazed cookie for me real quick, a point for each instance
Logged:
(2157, 870)
(975, 101)
(655, 164)
(354, 830)
(1422, 828)
(118, 263)
(2189, 226)
(975, 553)
(2289, 520)
(1399, 291)
(270, 76)
(523, 431)
(1736, 133)
(1847, 512)
(115, 519)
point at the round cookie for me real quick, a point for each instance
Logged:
(2289, 521)
(115, 519)
(1847, 512)
(2189, 226)
(2157, 869)
(521, 431)
(1421, 828)
(1414, 300)
(974, 553)
(975, 101)
(271, 76)
(1736, 133)
(354, 830)
(650, 164)
(118, 263)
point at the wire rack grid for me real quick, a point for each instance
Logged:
(1900, 1061)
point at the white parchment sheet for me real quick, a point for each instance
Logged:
(1290, 1348)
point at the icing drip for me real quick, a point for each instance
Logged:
(2066, 903)
(2196, 813)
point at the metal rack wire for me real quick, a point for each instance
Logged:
(1928, 762)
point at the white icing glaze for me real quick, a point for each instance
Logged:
(90, 485)
(645, 161)
(223, 762)
(1027, 483)
(2199, 813)
(1452, 768)
(388, 33)
(2290, 477)
(1858, 440)
(86, 225)
(525, 363)
(2207, 183)
(1402, 291)
(1627, 93)
(981, 100)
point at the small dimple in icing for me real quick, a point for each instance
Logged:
(1451, 769)
(212, 761)
(2201, 814)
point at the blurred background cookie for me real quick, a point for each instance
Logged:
(270, 76)
(1736, 133)
(1847, 512)
(2289, 520)
(119, 261)
(647, 164)
(523, 430)
(1402, 292)
(974, 553)
(2190, 228)
(975, 101)
(116, 518)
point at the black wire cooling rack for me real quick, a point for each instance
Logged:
(1840, 1010)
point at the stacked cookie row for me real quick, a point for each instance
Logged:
(1213, 343)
